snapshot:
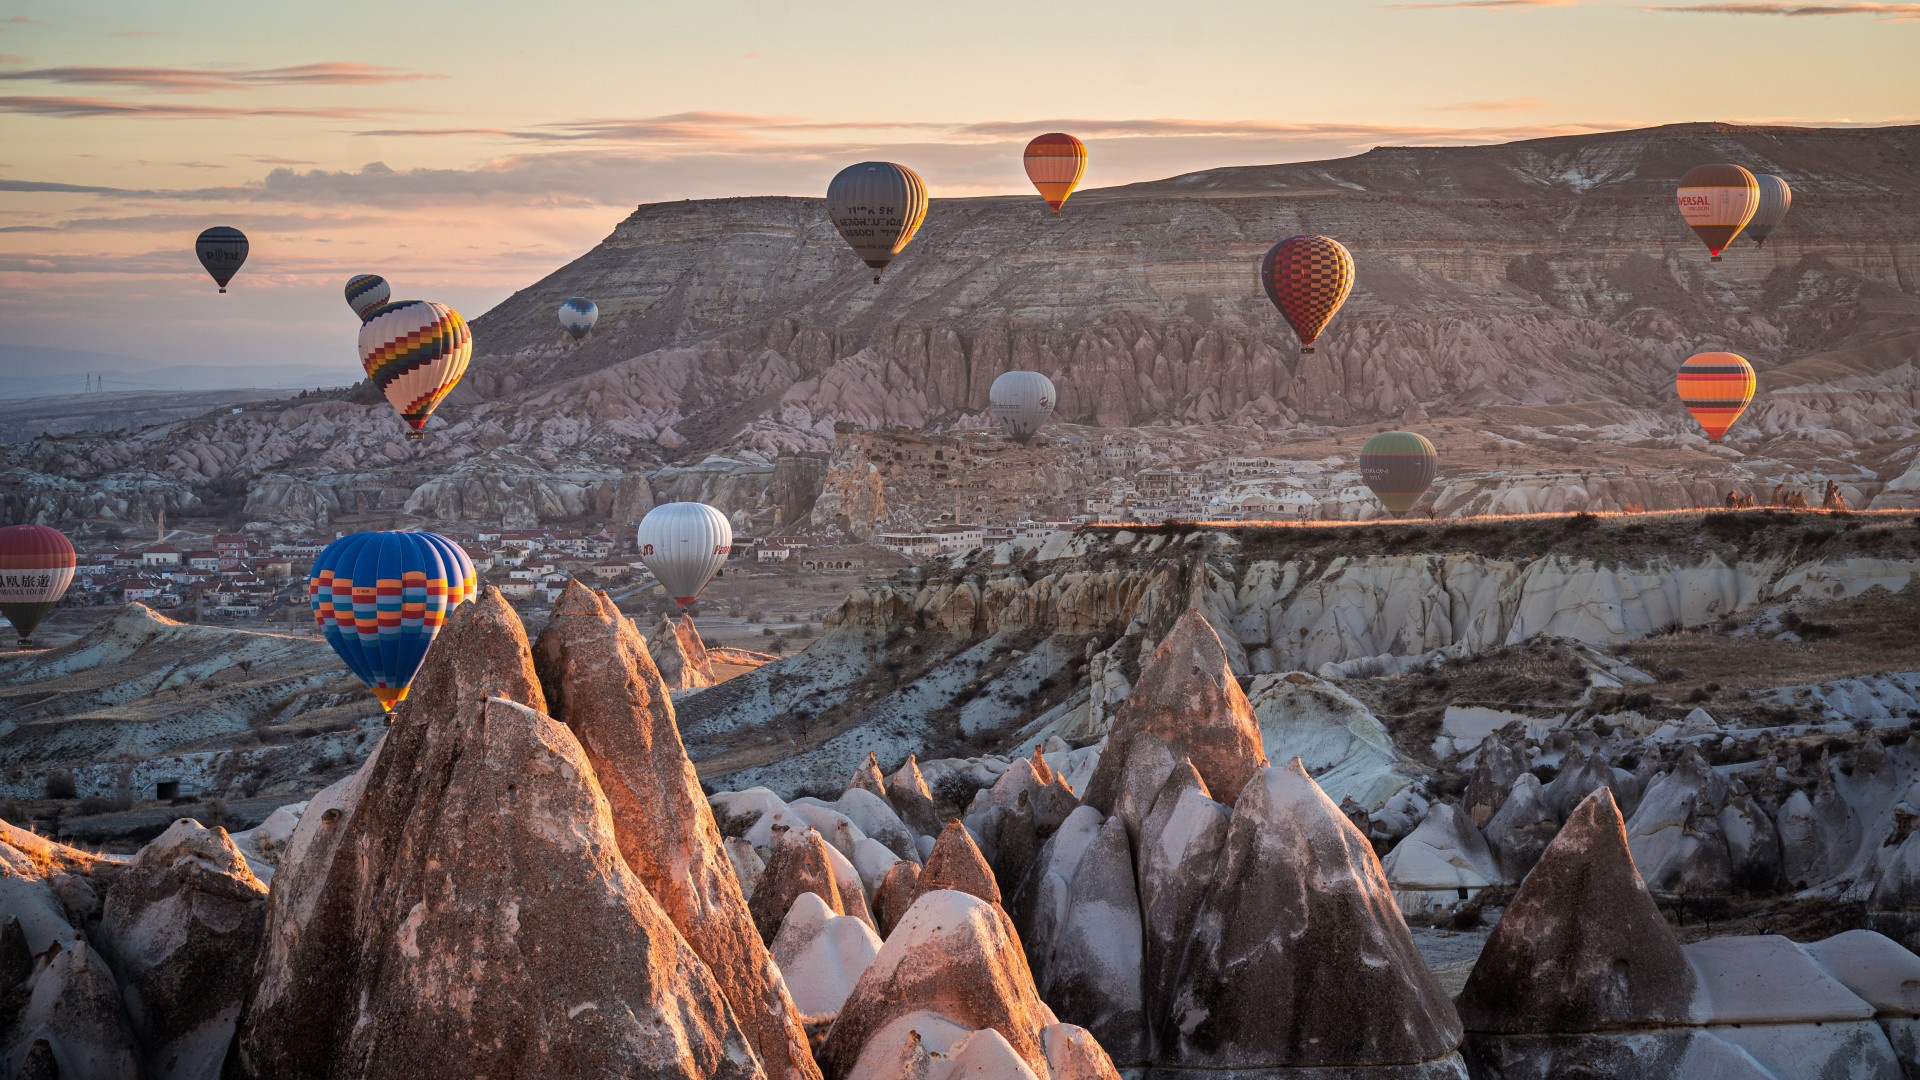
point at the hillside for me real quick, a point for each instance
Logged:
(1547, 275)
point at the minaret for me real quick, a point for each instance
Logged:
(162, 524)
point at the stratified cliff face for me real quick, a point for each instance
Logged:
(1547, 272)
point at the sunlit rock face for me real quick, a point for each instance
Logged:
(599, 680)
(476, 901)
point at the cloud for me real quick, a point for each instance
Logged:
(197, 80)
(27, 228)
(70, 108)
(9, 58)
(1889, 12)
(1503, 105)
(275, 159)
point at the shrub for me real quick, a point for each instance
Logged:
(60, 785)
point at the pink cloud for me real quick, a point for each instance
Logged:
(69, 108)
(195, 80)
(1888, 12)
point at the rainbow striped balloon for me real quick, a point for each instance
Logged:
(381, 597)
(1055, 163)
(415, 351)
(1715, 387)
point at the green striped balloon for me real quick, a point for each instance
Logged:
(1398, 466)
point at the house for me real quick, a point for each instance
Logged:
(161, 555)
(959, 537)
(913, 545)
(123, 560)
(203, 560)
(482, 562)
(771, 553)
(531, 539)
(229, 544)
(132, 589)
(273, 566)
(611, 569)
(518, 590)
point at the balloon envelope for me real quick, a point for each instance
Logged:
(415, 351)
(1776, 198)
(577, 316)
(1055, 163)
(1715, 387)
(1307, 278)
(877, 206)
(1398, 466)
(380, 598)
(36, 566)
(684, 544)
(366, 292)
(221, 249)
(1718, 201)
(1021, 401)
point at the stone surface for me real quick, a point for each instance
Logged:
(599, 679)
(1874, 967)
(821, 955)
(1767, 979)
(1299, 956)
(477, 902)
(867, 777)
(1344, 746)
(181, 930)
(1522, 829)
(1179, 848)
(801, 863)
(75, 1012)
(954, 955)
(747, 866)
(1494, 773)
(956, 864)
(1445, 861)
(1582, 947)
(908, 793)
(678, 653)
(1753, 842)
(1093, 978)
(1187, 697)
(894, 896)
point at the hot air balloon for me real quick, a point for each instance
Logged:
(684, 544)
(380, 598)
(877, 206)
(1715, 387)
(36, 566)
(366, 292)
(1718, 201)
(1307, 278)
(1776, 198)
(1398, 466)
(577, 316)
(221, 249)
(415, 351)
(1055, 163)
(1021, 401)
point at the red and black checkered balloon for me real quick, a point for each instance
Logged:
(1307, 278)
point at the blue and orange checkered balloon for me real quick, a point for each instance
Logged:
(1307, 278)
(380, 598)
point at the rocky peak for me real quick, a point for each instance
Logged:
(868, 777)
(801, 862)
(1187, 698)
(679, 654)
(1582, 947)
(957, 865)
(601, 683)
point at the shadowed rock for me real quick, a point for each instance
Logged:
(1299, 956)
(1523, 828)
(600, 681)
(1016, 841)
(1188, 698)
(75, 1011)
(1494, 772)
(821, 955)
(1179, 847)
(1094, 978)
(956, 864)
(478, 906)
(801, 863)
(678, 653)
(1753, 844)
(1579, 776)
(953, 955)
(907, 791)
(1582, 947)
(1041, 901)
(894, 896)
(182, 927)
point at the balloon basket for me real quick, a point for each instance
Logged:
(416, 435)
(1716, 258)
(1305, 350)
(876, 279)
(223, 288)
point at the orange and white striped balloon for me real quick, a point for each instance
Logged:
(415, 351)
(1715, 387)
(1718, 201)
(1055, 163)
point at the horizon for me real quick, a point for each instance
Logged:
(507, 154)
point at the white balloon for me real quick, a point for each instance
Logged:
(684, 544)
(1021, 401)
(577, 316)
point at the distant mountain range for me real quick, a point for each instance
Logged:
(45, 371)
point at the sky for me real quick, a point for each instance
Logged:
(465, 150)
